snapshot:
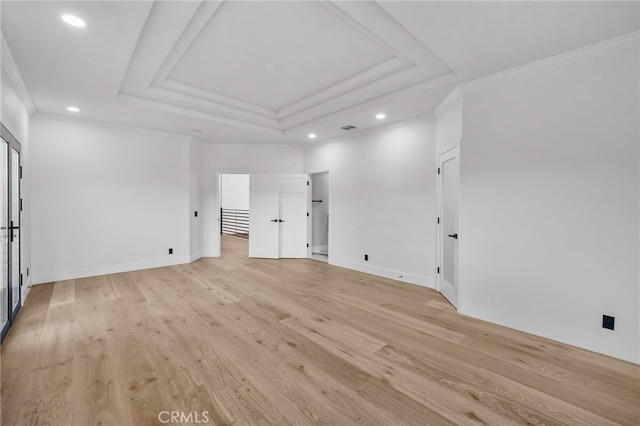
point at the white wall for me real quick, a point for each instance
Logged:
(550, 203)
(382, 199)
(449, 126)
(15, 116)
(320, 212)
(106, 199)
(218, 159)
(234, 191)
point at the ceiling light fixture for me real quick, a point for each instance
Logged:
(312, 135)
(73, 109)
(381, 116)
(74, 21)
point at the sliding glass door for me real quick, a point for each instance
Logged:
(10, 215)
(4, 239)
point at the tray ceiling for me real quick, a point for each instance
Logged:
(273, 66)
(273, 72)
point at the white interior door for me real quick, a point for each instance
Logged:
(264, 205)
(293, 215)
(449, 195)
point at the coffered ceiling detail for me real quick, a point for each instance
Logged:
(271, 72)
(276, 66)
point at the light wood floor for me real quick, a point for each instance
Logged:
(289, 342)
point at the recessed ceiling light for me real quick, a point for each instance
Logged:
(381, 116)
(270, 67)
(312, 135)
(73, 109)
(74, 21)
(196, 130)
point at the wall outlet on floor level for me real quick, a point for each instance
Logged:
(608, 322)
(366, 257)
(170, 251)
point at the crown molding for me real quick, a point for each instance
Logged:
(419, 118)
(581, 54)
(161, 94)
(390, 68)
(201, 18)
(454, 95)
(16, 78)
(197, 114)
(448, 78)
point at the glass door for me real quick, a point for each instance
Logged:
(15, 280)
(11, 218)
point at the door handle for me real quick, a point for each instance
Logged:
(274, 220)
(454, 236)
(281, 220)
(11, 228)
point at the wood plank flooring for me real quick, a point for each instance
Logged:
(289, 342)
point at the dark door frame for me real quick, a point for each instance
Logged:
(12, 143)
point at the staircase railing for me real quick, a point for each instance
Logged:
(234, 222)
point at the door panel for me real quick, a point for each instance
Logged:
(449, 184)
(293, 215)
(264, 205)
(278, 216)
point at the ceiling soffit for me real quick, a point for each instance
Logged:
(170, 67)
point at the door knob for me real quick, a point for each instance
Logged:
(281, 220)
(274, 220)
(454, 236)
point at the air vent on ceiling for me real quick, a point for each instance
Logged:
(348, 127)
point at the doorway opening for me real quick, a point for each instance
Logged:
(234, 206)
(320, 216)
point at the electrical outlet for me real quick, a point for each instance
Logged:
(195, 214)
(608, 322)
(170, 251)
(366, 257)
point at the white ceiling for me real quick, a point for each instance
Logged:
(177, 66)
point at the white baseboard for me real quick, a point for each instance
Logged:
(25, 289)
(617, 348)
(420, 280)
(104, 270)
(195, 257)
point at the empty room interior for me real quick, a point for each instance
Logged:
(320, 212)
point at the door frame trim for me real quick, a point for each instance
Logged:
(455, 150)
(219, 200)
(310, 207)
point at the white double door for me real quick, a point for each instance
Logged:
(278, 206)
